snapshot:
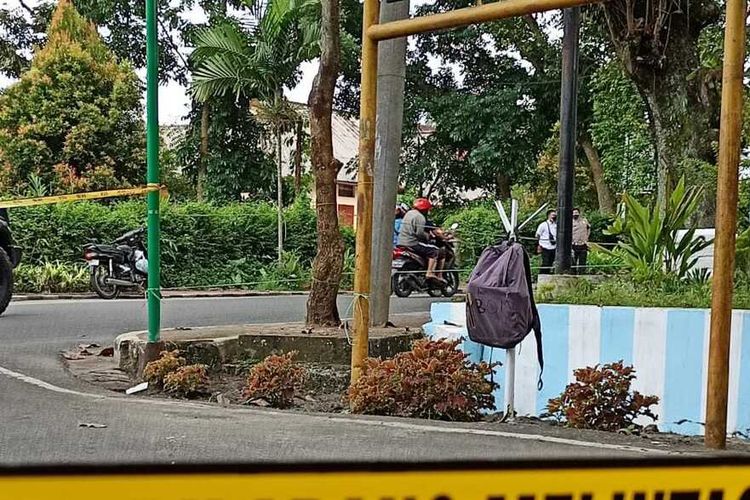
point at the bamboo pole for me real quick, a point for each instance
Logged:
(363, 258)
(726, 222)
(466, 16)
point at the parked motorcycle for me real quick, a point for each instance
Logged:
(408, 270)
(10, 256)
(121, 265)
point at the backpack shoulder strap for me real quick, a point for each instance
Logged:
(536, 322)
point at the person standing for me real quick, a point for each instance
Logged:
(581, 234)
(546, 235)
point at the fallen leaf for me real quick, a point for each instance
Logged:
(92, 426)
(107, 352)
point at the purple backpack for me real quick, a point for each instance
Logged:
(500, 307)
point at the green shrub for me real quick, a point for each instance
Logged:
(288, 274)
(187, 381)
(277, 379)
(478, 227)
(433, 380)
(347, 277)
(300, 232)
(202, 244)
(599, 224)
(656, 290)
(601, 399)
(649, 234)
(742, 253)
(156, 371)
(51, 277)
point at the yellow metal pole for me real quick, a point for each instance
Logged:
(466, 16)
(363, 259)
(726, 222)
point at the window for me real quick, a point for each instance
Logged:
(346, 190)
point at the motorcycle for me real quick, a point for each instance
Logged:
(123, 264)
(408, 270)
(10, 256)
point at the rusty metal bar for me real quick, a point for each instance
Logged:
(466, 16)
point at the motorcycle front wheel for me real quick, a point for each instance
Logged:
(6, 280)
(400, 285)
(98, 283)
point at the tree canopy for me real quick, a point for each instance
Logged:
(74, 117)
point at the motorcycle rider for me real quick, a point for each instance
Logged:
(401, 210)
(416, 236)
(437, 238)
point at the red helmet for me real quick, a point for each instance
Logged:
(422, 204)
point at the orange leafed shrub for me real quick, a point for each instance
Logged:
(187, 380)
(277, 379)
(600, 398)
(433, 380)
(156, 371)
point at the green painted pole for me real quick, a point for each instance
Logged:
(153, 293)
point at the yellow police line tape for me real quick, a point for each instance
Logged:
(92, 195)
(508, 481)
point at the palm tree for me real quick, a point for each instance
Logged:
(258, 63)
(280, 116)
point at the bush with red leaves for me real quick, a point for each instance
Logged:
(277, 379)
(434, 380)
(156, 371)
(601, 399)
(187, 381)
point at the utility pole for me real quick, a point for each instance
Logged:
(568, 119)
(722, 283)
(389, 124)
(153, 292)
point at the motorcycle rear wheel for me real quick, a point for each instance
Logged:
(6, 280)
(102, 289)
(401, 286)
(451, 287)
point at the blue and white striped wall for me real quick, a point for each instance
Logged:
(668, 348)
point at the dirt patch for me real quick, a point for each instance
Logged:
(327, 386)
(94, 364)
(324, 392)
(650, 438)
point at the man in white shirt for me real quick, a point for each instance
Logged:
(546, 235)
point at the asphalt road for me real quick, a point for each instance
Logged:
(41, 406)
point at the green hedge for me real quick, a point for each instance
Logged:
(202, 244)
(623, 290)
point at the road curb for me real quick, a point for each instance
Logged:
(184, 295)
(165, 294)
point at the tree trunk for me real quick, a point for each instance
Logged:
(502, 187)
(279, 195)
(327, 267)
(298, 159)
(199, 188)
(682, 104)
(603, 194)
